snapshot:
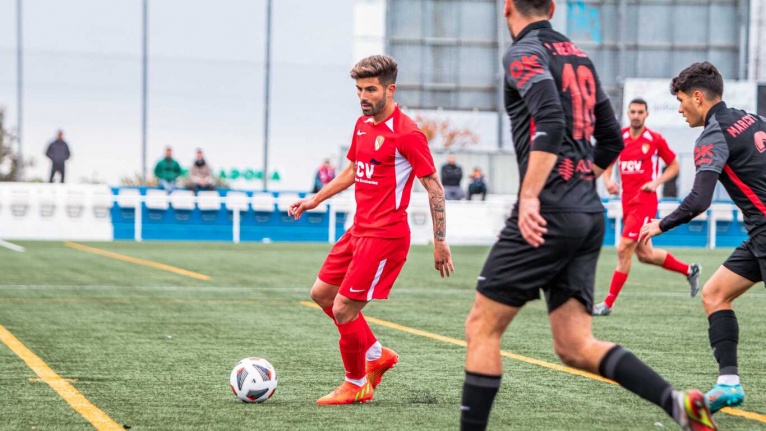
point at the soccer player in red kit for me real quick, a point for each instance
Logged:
(387, 152)
(639, 169)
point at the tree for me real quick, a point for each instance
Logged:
(440, 132)
(9, 159)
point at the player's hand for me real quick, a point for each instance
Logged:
(531, 223)
(649, 187)
(649, 230)
(443, 258)
(612, 187)
(296, 209)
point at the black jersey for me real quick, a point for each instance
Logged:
(556, 104)
(733, 144)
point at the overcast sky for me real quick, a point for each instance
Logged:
(82, 73)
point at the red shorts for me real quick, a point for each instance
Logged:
(365, 268)
(635, 216)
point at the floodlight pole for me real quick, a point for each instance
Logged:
(266, 99)
(144, 87)
(19, 91)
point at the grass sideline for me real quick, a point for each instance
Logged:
(154, 349)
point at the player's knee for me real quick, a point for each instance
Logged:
(471, 323)
(478, 327)
(623, 254)
(713, 296)
(644, 257)
(342, 313)
(321, 298)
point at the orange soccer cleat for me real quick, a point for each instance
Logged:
(376, 368)
(347, 393)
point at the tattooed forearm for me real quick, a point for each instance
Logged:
(436, 200)
(438, 216)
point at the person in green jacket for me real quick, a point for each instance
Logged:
(167, 171)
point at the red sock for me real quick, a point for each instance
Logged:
(618, 280)
(676, 265)
(353, 346)
(371, 339)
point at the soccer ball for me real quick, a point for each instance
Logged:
(253, 380)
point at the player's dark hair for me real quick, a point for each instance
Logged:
(639, 101)
(530, 8)
(382, 67)
(699, 76)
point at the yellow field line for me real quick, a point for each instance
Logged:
(462, 343)
(745, 414)
(137, 261)
(734, 412)
(100, 420)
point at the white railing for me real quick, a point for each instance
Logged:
(35, 211)
(83, 212)
(236, 202)
(717, 212)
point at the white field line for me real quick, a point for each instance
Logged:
(469, 290)
(11, 246)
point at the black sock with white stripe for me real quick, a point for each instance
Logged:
(479, 392)
(622, 366)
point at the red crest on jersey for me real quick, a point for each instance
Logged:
(703, 154)
(528, 64)
(760, 141)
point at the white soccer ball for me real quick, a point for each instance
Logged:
(253, 380)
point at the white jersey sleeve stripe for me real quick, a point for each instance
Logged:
(403, 169)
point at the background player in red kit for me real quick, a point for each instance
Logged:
(639, 168)
(387, 152)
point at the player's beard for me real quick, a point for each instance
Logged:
(637, 126)
(374, 108)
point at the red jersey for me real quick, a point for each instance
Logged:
(388, 156)
(639, 164)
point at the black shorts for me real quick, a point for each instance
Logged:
(563, 267)
(749, 259)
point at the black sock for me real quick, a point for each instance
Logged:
(724, 336)
(479, 392)
(626, 369)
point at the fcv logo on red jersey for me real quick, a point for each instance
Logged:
(631, 166)
(703, 154)
(365, 169)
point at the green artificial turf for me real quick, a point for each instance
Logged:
(154, 349)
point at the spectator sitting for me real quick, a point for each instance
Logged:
(478, 184)
(452, 174)
(200, 174)
(325, 174)
(167, 171)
